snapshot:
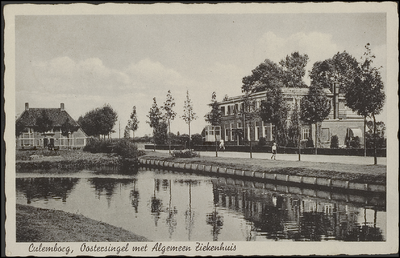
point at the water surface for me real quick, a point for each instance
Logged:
(171, 206)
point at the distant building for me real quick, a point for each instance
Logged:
(31, 138)
(341, 120)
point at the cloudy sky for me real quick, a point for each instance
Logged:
(86, 61)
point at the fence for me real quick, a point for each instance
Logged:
(282, 150)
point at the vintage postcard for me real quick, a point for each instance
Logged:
(201, 129)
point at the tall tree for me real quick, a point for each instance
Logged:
(250, 115)
(67, 128)
(127, 131)
(188, 114)
(133, 122)
(335, 72)
(43, 122)
(293, 70)
(266, 75)
(214, 117)
(107, 118)
(315, 107)
(274, 110)
(156, 119)
(294, 131)
(99, 121)
(365, 95)
(169, 114)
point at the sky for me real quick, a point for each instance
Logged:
(87, 61)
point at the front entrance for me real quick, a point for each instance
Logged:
(48, 142)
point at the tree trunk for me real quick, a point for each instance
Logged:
(190, 149)
(316, 139)
(216, 145)
(375, 158)
(251, 154)
(169, 138)
(299, 143)
(365, 140)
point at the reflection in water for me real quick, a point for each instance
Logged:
(189, 213)
(214, 209)
(44, 188)
(108, 186)
(281, 216)
(156, 204)
(172, 211)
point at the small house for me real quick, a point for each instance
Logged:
(48, 128)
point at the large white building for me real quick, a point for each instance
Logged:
(341, 120)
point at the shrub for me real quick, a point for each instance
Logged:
(262, 141)
(334, 142)
(125, 148)
(185, 154)
(197, 139)
(95, 145)
(310, 143)
(291, 144)
(355, 143)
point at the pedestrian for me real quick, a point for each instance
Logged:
(273, 151)
(221, 145)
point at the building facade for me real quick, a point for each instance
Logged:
(30, 137)
(234, 130)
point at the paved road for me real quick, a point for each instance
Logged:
(294, 157)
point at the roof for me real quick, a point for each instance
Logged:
(57, 115)
(287, 92)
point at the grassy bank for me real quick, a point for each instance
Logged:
(350, 172)
(77, 159)
(43, 225)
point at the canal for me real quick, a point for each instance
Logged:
(176, 206)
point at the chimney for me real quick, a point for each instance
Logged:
(26, 106)
(62, 106)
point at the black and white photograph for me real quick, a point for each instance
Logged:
(201, 129)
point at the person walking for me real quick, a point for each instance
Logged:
(273, 151)
(221, 145)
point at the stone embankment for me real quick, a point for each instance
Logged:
(308, 181)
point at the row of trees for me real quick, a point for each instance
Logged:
(360, 82)
(160, 118)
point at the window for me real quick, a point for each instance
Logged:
(258, 133)
(229, 110)
(239, 125)
(267, 132)
(305, 133)
(227, 134)
(223, 110)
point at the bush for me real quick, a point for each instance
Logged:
(126, 148)
(334, 142)
(185, 154)
(262, 141)
(95, 145)
(310, 143)
(355, 143)
(197, 139)
(291, 144)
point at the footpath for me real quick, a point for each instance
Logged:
(357, 160)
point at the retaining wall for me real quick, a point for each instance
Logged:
(289, 179)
